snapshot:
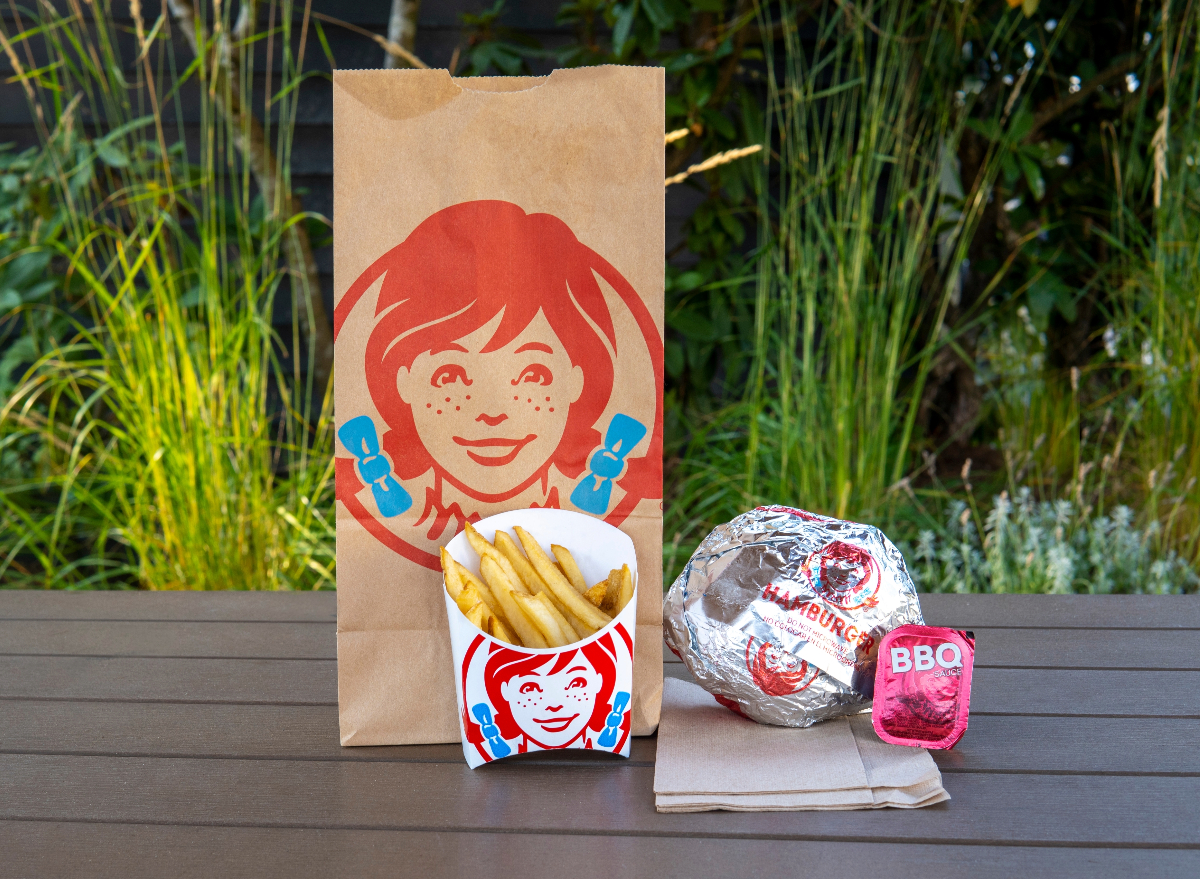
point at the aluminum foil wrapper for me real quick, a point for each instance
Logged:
(780, 612)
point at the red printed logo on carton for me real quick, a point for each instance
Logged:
(516, 700)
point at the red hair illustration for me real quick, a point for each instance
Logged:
(551, 700)
(491, 358)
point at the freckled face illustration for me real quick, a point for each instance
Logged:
(491, 361)
(553, 709)
(496, 416)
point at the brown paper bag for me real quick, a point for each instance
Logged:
(498, 267)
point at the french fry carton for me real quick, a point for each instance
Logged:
(513, 700)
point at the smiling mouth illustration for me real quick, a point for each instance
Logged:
(507, 449)
(555, 724)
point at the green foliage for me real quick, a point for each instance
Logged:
(158, 436)
(942, 183)
(860, 242)
(1024, 545)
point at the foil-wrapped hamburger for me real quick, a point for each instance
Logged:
(779, 614)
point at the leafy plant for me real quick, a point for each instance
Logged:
(1025, 545)
(174, 442)
(860, 246)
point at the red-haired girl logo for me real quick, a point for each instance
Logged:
(517, 701)
(845, 575)
(504, 362)
(776, 672)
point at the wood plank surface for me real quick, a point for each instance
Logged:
(1062, 611)
(20, 604)
(959, 611)
(1106, 746)
(1066, 692)
(116, 851)
(196, 734)
(614, 798)
(995, 648)
(232, 640)
(270, 681)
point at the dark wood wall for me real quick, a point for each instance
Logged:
(439, 32)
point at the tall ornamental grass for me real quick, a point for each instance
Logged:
(170, 439)
(1159, 300)
(861, 243)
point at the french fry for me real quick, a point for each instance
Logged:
(483, 548)
(626, 591)
(495, 608)
(468, 598)
(575, 626)
(596, 594)
(543, 619)
(566, 562)
(503, 589)
(450, 569)
(467, 578)
(529, 578)
(612, 590)
(558, 585)
(565, 627)
(497, 629)
(477, 616)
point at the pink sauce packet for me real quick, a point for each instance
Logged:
(923, 686)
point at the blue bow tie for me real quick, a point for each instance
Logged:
(594, 490)
(612, 725)
(360, 439)
(490, 731)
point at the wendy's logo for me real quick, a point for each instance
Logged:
(845, 575)
(492, 360)
(521, 701)
(775, 672)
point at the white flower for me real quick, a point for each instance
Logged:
(1111, 337)
(1074, 84)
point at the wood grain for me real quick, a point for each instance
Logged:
(175, 606)
(133, 739)
(306, 682)
(1065, 692)
(1062, 611)
(615, 798)
(251, 640)
(960, 611)
(115, 851)
(1069, 692)
(992, 743)
(995, 648)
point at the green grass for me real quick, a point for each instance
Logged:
(161, 433)
(169, 439)
(860, 241)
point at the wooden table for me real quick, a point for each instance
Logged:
(196, 735)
